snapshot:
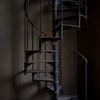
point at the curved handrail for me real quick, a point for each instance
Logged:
(31, 21)
(86, 61)
(36, 27)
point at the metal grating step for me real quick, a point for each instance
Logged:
(66, 18)
(39, 71)
(30, 52)
(46, 79)
(50, 39)
(65, 27)
(67, 97)
(52, 87)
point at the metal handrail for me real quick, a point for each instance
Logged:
(37, 27)
(31, 21)
(86, 62)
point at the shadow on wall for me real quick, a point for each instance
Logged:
(14, 85)
(18, 90)
(44, 94)
(24, 89)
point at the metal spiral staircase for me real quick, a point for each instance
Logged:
(67, 14)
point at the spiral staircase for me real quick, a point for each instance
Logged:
(66, 14)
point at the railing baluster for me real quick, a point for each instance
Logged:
(45, 60)
(79, 13)
(86, 81)
(26, 32)
(62, 19)
(60, 61)
(41, 14)
(32, 50)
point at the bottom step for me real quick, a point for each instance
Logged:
(68, 97)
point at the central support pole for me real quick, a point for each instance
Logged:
(55, 56)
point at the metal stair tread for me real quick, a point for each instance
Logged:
(40, 50)
(51, 39)
(52, 87)
(73, 9)
(70, 26)
(44, 79)
(41, 61)
(39, 71)
(33, 62)
(30, 52)
(67, 97)
(69, 0)
(66, 26)
(69, 3)
(66, 18)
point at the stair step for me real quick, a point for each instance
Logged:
(74, 9)
(50, 39)
(41, 62)
(39, 71)
(66, 18)
(32, 62)
(69, 3)
(65, 26)
(67, 97)
(46, 79)
(30, 52)
(52, 87)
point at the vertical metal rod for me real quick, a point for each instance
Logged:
(79, 10)
(41, 7)
(86, 81)
(86, 8)
(75, 70)
(86, 12)
(27, 5)
(25, 25)
(45, 60)
(60, 57)
(38, 59)
(41, 14)
(62, 19)
(32, 50)
(25, 34)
